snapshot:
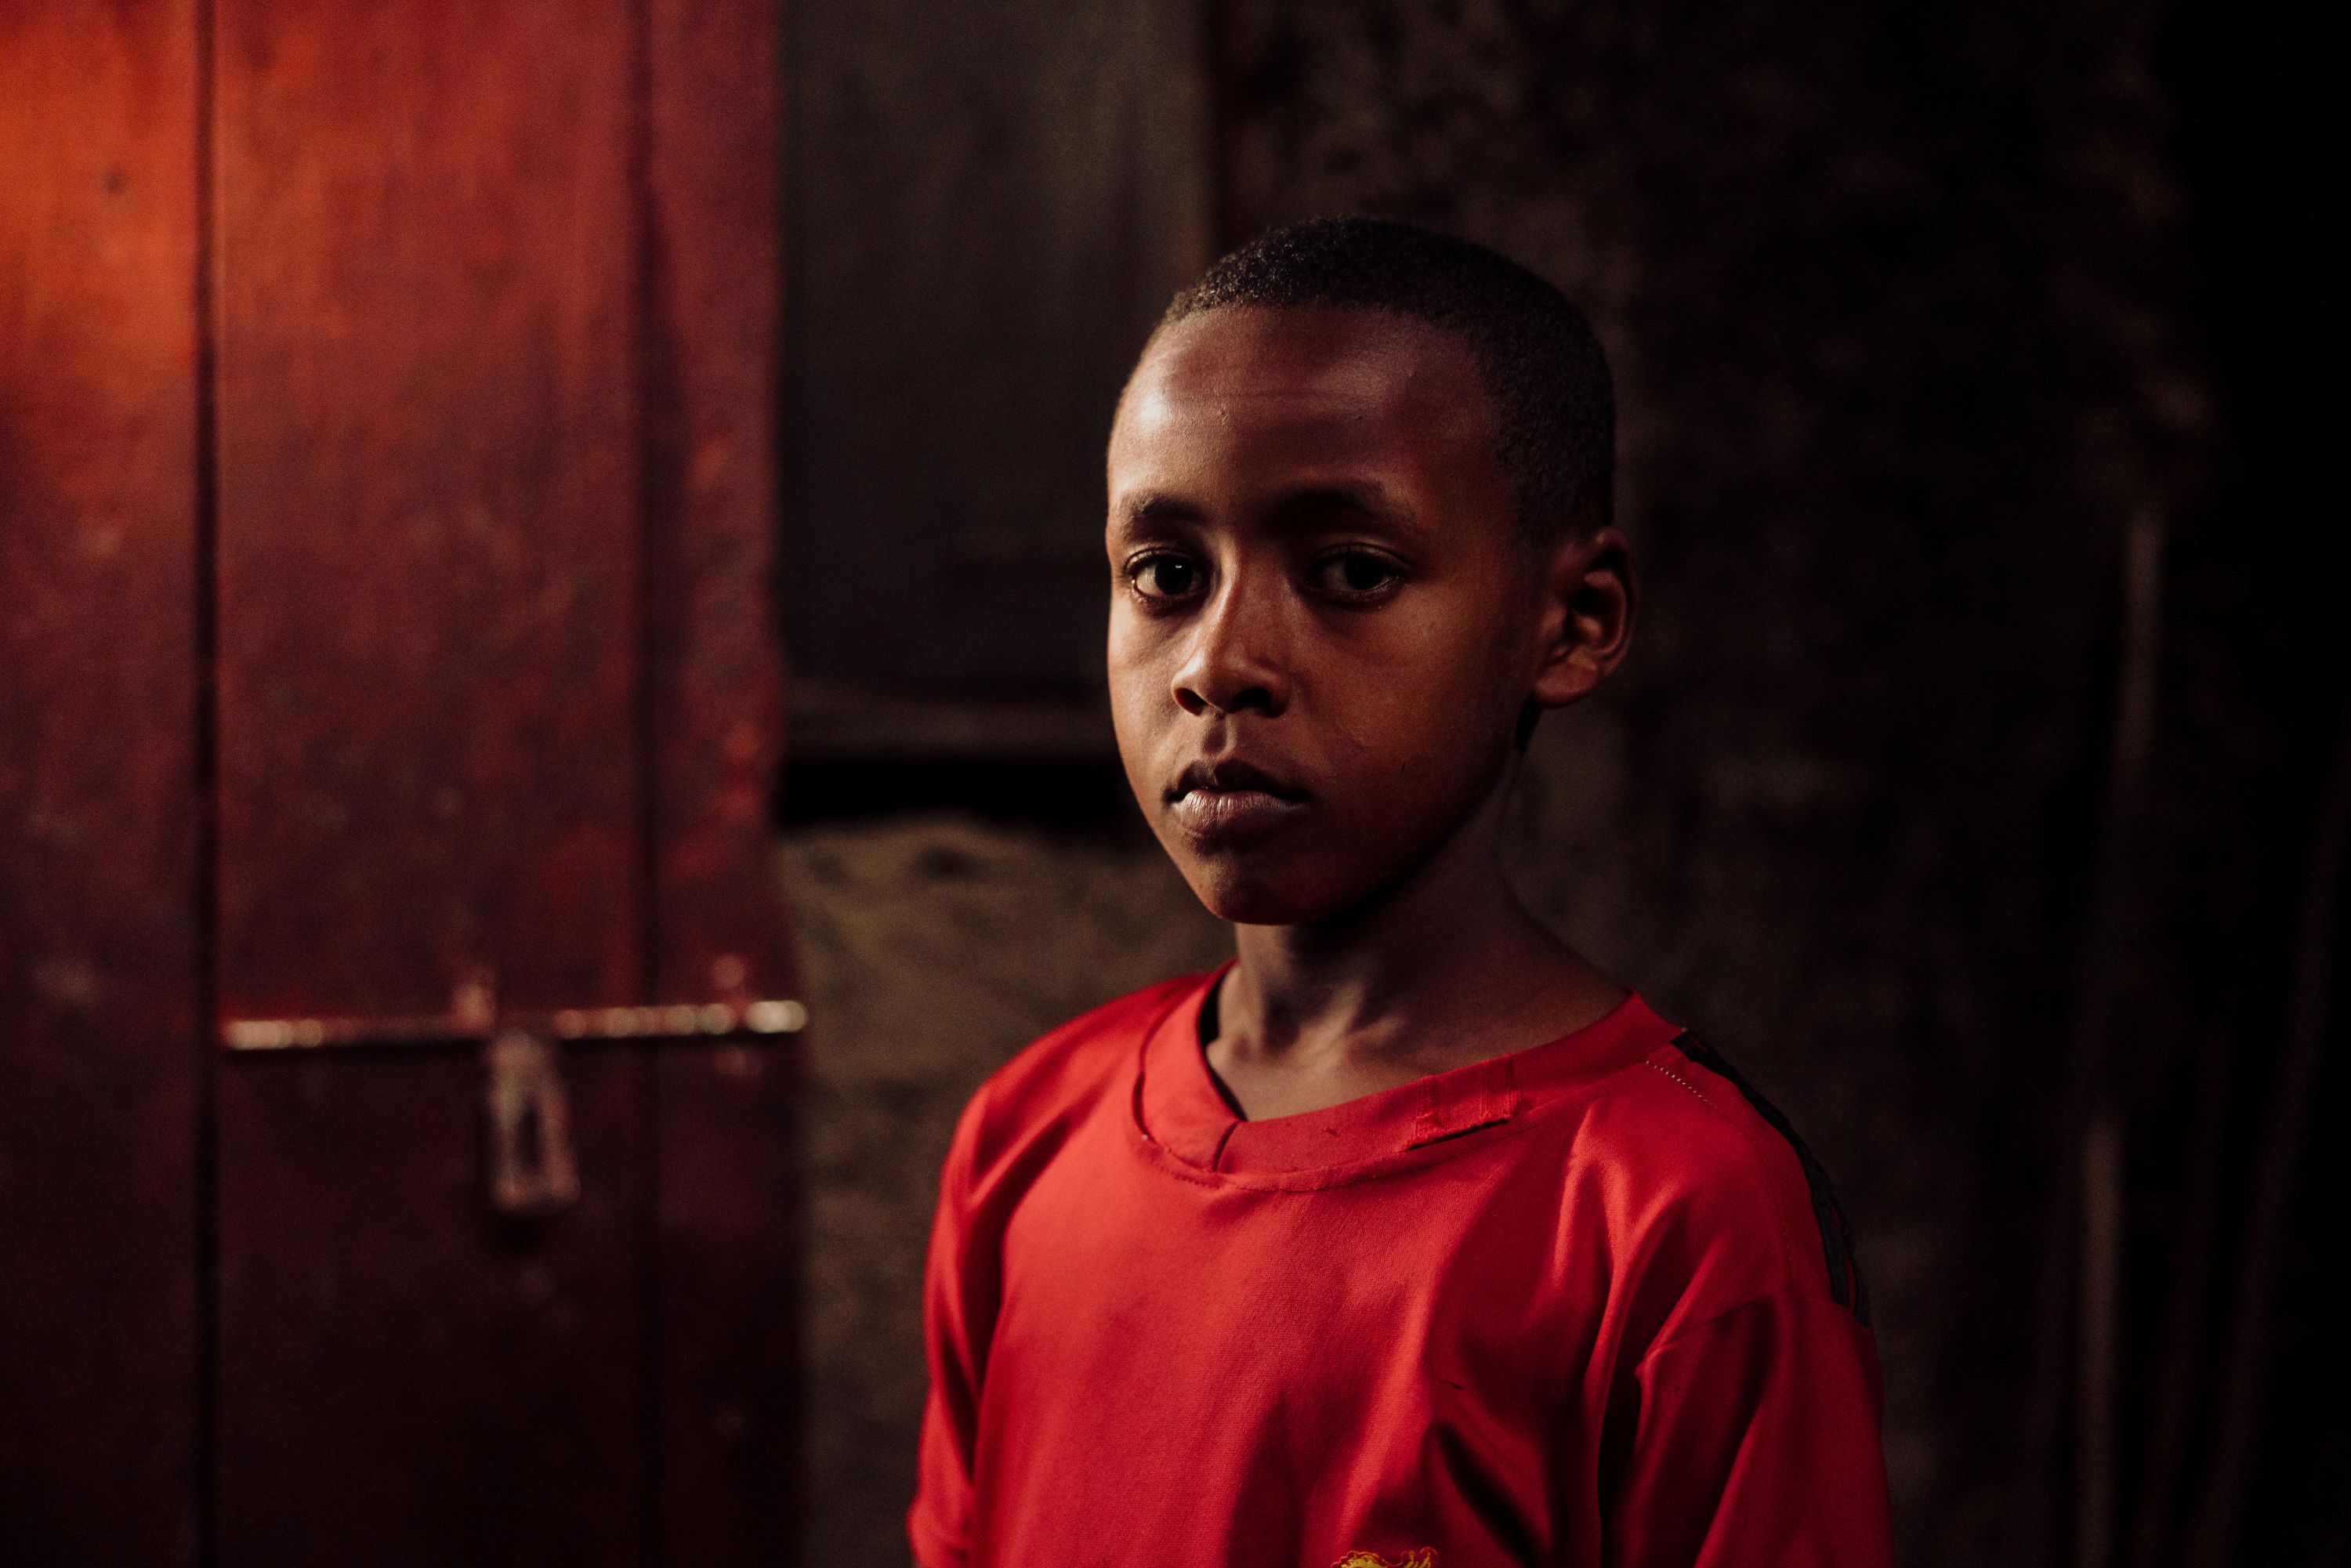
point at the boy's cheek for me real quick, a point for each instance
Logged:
(1140, 727)
(1139, 654)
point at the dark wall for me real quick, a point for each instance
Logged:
(991, 203)
(1919, 312)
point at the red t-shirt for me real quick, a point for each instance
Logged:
(1588, 1303)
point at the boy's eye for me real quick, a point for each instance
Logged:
(1354, 573)
(1165, 577)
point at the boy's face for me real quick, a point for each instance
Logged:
(1324, 623)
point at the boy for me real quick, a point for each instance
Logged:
(1408, 1237)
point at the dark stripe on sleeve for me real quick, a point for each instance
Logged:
(1846, 1287)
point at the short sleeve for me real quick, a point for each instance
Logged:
(1754, 1445)
(954, 1332)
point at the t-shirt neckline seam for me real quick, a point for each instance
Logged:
(1412, 1153)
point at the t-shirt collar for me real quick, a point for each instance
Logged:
(1180, 1108)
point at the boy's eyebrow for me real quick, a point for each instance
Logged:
(1306, 506)
(1157, 507)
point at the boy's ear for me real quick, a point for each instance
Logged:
(1588, 601)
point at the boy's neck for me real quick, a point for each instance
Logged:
(1444, 969)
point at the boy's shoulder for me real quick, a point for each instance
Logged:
(1691, 1147)
(1064, 1073)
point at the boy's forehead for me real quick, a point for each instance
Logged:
(1245, 406)
(1249, 362)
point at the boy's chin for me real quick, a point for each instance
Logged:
(1245, 894)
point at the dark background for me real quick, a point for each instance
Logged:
(1919, 315)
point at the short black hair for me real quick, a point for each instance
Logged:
(1543, 371)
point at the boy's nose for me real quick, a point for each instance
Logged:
(1232, 665)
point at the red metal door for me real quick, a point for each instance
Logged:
(487, 514)
(98, 936)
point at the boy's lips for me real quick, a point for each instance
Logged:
(1231, 799)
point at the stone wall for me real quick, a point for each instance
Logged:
(934, 946)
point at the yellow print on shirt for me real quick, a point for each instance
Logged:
(1424, 1558)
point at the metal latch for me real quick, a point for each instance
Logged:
(534, 1168)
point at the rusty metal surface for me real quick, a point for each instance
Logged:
(98, 1031)
(427, 536)
(407, 1377)
(428, 767)
(727, 1227)
(497, 692)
